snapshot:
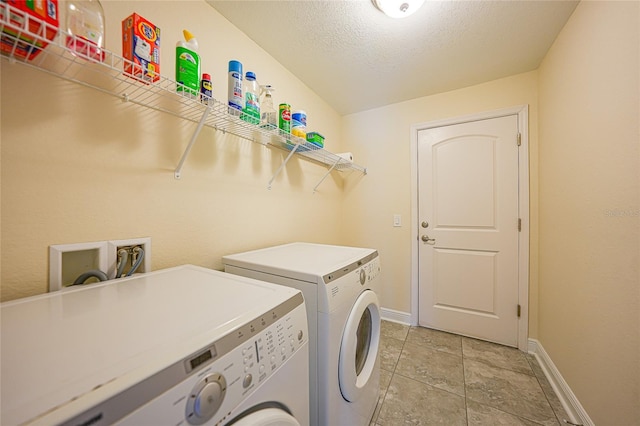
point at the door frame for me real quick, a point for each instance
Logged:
(522, 112)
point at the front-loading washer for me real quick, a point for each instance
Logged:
(339, 285)
(181, 346)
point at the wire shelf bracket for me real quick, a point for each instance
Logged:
(178, 172)
(284, 163)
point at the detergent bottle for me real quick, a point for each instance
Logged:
(187, 66)
(251, 111)
(85, 25)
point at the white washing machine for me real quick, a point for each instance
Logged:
(343, 311)
(181, 346)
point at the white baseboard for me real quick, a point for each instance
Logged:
(567, 398)
(395, 316)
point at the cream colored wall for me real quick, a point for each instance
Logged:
(589, 283)
(381, 139)
(79, 166)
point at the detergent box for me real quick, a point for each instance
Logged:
(29, 26)
(141, 48)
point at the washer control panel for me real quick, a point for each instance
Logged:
(206, 386)
(370, 271)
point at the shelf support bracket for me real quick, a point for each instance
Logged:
(178, 170)
(315, 188)
(284, 163)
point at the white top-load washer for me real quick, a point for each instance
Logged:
(181, 346)
(339, 285)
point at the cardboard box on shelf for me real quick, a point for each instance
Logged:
(27, 26)
(141, 48)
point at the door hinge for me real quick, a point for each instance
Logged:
(519, 310)
(519, 224)
(519, 139)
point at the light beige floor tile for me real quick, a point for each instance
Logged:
(385, 379)
(483, 415)
(411, 402)
(389, 353)
(394, 330)
(510, 391)
(435, 339)
(496, 355)
(555, 403)
(439, 369)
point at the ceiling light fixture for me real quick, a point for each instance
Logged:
(398, 8)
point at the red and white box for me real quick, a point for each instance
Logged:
(141, 48)
(28, 26)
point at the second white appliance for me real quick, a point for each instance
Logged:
(182, 346)
(343, 312)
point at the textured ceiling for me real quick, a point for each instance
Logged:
(356, 58)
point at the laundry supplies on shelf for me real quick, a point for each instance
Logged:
(85, 27)
(251, 110)
(187, 65)
(141, 48)
(268, 113)
(235, 95)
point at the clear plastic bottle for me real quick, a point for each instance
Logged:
(85, 28)
(268, 113)
(251, 110)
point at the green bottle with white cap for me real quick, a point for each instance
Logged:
(187, 66)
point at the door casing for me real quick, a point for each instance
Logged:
(523, 208)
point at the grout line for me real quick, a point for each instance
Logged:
(384, 397)
(542, 387)
(464, 382)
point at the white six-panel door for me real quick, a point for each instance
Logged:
(468, 229)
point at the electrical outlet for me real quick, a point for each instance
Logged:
(131, 250)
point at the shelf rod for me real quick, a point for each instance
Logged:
(315, 188)
(176, 174)
(284, 163)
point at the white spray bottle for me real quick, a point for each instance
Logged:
(269, 115)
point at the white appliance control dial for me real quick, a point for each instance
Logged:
(206, 398)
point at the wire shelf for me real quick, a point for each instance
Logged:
(25, 41)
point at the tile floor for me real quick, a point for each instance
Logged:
(429, 377)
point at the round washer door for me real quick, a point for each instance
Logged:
(267, 417)
(359, 346)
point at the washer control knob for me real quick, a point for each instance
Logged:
(300, 335)
(247, 381)
(206, 398)
(363, 276)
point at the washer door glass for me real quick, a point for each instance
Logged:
(363, 340)
(359, 346)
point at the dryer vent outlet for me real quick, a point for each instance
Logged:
(68, 261)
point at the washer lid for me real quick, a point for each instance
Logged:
(60, 346)
(300, 261)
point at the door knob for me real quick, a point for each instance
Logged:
(425, 224)
(426, 239)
